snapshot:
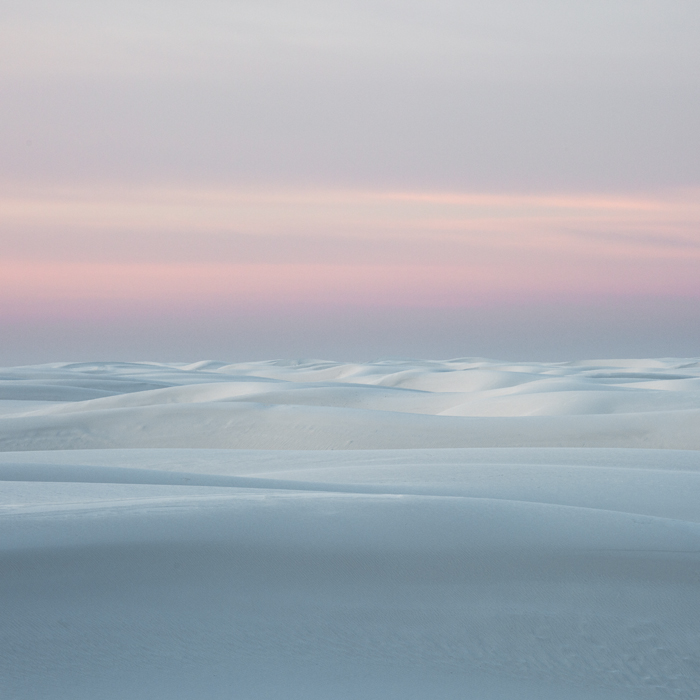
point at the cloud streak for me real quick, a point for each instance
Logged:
(280, 160)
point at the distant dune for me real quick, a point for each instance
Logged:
(463, 529)
(324, 405)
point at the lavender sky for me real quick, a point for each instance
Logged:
(249, 180)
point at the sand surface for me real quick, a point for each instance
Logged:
(400, 529)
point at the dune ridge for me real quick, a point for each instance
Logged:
(322, 405)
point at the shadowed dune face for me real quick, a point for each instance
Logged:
(397, 529)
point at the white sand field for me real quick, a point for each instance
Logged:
(469, 529)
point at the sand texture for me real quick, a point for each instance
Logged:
(469, 529)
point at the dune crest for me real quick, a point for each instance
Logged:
(325, 405)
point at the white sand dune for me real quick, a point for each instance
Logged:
(465, 529)
(321, 405)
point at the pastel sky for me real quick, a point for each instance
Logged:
(255, 179)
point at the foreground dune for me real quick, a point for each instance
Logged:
(465, 529)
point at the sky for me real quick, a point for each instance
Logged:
(249, 180)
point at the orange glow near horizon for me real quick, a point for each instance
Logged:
(28, 288)
(156, 248)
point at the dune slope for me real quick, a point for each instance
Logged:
(465, 529)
